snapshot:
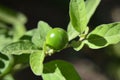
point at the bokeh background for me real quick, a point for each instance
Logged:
(102, 64)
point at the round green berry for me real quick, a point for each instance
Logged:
(57, 38)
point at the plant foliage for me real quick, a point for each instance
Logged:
(17, 41)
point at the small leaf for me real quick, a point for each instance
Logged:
(91, 6)
(104, 35)
(36, 62)
(20, 47)
(72, 33)
(95, 41)
(6, 63)
(77, 45)
(60, 70)
(78, 17)
(40, 34)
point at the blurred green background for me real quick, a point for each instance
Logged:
(102, 64)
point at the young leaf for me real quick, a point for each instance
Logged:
(78, 17)
(39, 37)
(6, 63)
(59, 70)
(36, 62)
(104, 35)
(77, 45)
(20, 47)
(91, 6)
(72, 33)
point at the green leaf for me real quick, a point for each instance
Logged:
(40, 34)
(72, 33)
(95, 41)
(78, 16)
(104, 35)
(36, 62)
(6, 63)
(16, 19)
(20, 47)
(59, 70)
(91, 6)
(77, 45)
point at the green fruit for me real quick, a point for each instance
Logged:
(57, 38)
